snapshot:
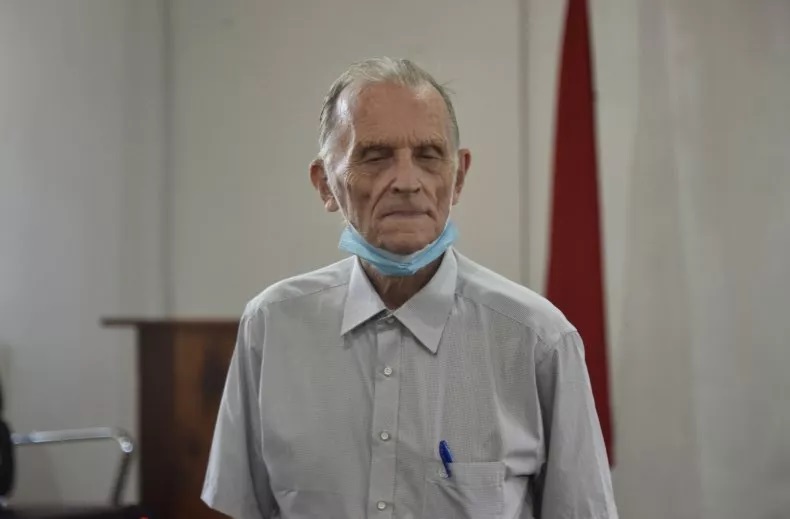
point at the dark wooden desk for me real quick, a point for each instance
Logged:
(182, 366)
(75, 513)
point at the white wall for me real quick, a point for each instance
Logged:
(249, 79)
(80, 217)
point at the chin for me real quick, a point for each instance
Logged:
(404, 247)
(403, 250)
(405, 242)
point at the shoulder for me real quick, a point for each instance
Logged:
(302, 286)
(505, 297)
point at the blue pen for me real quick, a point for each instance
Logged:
(446, 456)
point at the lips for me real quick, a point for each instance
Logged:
(403, 216)
(404, 213)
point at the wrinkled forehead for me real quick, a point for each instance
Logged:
(393, 114)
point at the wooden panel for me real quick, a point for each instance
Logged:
(202, 357)
(182, 370)
(131, 512)
(157, 427)
(139, 322)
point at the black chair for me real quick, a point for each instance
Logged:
(9, 441)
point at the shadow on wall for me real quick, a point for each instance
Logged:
(34, 472)
(35, 476)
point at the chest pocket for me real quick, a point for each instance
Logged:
(475, 491)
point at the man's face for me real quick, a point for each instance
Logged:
(392, 168)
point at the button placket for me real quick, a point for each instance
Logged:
(384, 426)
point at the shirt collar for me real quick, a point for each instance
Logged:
(425, 314)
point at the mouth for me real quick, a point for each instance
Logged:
(404, 214)
(403, 211)
(408, 212)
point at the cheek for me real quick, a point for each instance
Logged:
(440, 188)
(358, 189)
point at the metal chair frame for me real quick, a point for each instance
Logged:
(93, 434)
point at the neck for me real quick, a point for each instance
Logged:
(395, 291)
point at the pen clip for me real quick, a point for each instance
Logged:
(446, 457)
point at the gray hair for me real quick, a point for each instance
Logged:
(380, 70)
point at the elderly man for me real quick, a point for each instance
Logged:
(405, 381)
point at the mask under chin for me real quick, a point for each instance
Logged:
(391, 264)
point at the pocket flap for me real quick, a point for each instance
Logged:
(475, 474)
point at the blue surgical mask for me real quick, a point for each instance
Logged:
(398, 265)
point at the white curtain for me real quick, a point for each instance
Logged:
(693, 108)
(702, 378)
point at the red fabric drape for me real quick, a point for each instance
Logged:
(575, 276)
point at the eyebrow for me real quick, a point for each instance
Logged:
(436, 144)
(362, 148)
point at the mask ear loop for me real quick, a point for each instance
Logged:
(450, 205)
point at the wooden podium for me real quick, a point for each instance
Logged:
(182, 366)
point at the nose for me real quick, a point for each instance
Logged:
(407, 180)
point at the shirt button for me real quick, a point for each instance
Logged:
(387, 371)
(384, 435)
(381, 505)
(443, 474)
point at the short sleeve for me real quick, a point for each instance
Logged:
(237, 481)
(575, 481)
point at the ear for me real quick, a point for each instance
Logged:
(464, 161)
(321, 184)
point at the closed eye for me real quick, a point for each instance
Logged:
(431, 151)
(373, 153)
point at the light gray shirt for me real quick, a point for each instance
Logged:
(334, 407)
